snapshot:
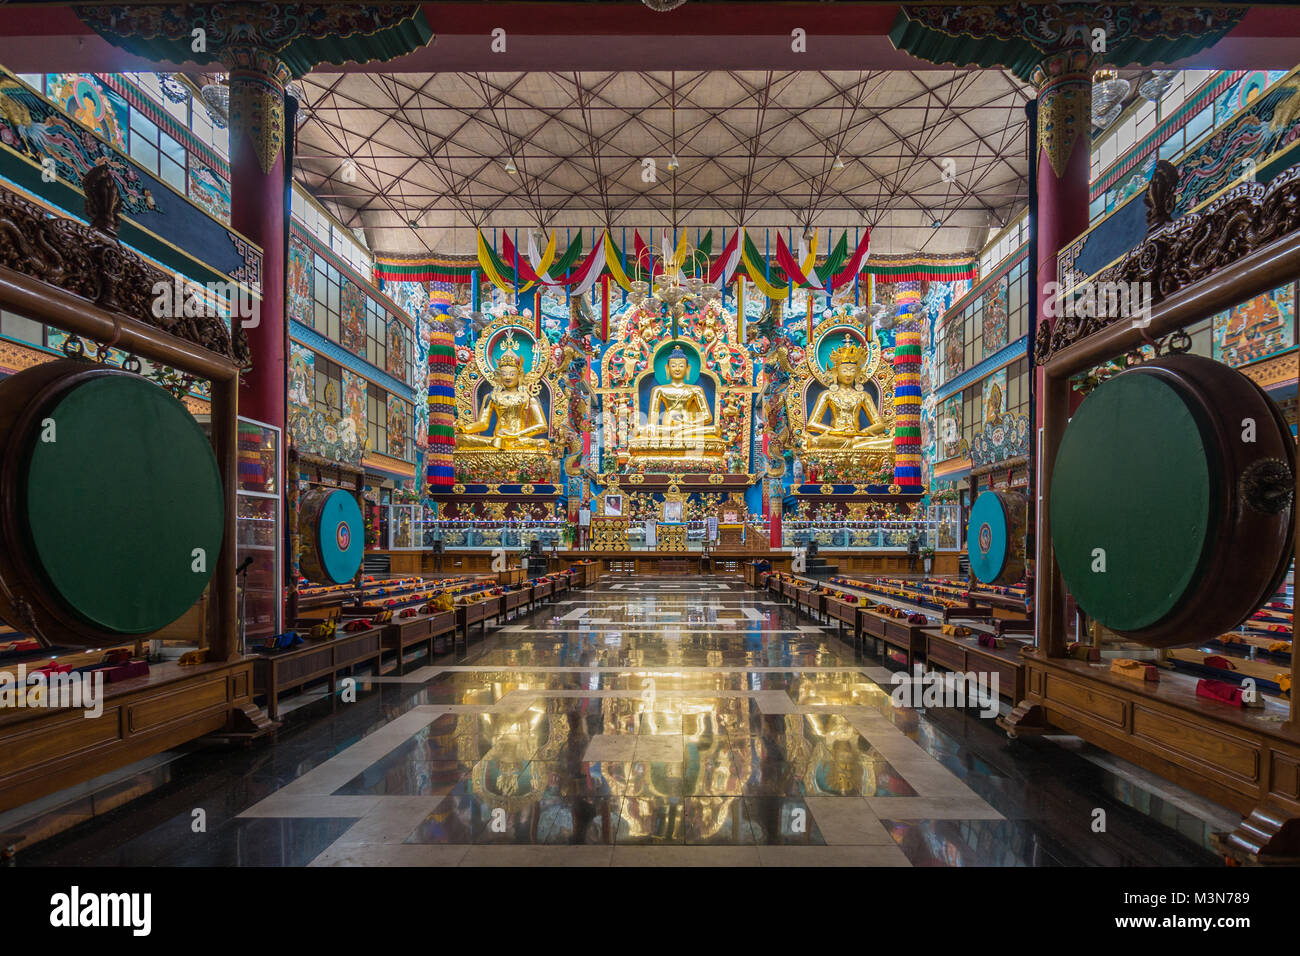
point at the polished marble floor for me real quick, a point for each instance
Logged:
(650, 722)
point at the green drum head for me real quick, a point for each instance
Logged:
(124, 506)
(1131, 502)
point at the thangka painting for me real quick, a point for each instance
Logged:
(209, 190)
(397, 357)
(354, 406)
(302, 376)
(950, 427)
(994, 397)
(954, 347)
(1255, 329)
(299, 278)
(397, 422)
(995, 316)
(352, 318)
(92, 104)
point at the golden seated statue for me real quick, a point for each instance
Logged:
(847, 401)
(520, 425)
(679, 424)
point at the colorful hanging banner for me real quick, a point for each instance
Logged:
(739, 255)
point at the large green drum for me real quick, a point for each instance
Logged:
(333, 536)
(995, 537)
(1172, 501)
(114, 510)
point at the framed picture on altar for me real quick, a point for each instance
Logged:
(730, 517)
(672, 512)
(613, 506)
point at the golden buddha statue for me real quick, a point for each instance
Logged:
(846, 400)
(678, 420)
(521, 424)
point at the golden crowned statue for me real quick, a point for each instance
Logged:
(847, 402)
(520, 421)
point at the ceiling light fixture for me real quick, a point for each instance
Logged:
(673, 163)
(1153, 88)
(838, 164)
(1108, 94)
(511, 168)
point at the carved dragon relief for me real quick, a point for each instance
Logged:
(90, 261)
(1179, 252)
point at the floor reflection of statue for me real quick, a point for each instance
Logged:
(520, 422)
(847, 401)
(679, 410)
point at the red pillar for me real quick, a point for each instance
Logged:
(1062, 155)
(257, 191)
(1063, 159)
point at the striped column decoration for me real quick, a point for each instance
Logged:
(907, 389)
(442, 393)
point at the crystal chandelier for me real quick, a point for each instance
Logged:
(216, 97)
(1108, 93)
(1154, 86)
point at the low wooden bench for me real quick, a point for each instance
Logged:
(812, 601)
(974, 611)
(514, 600)
(846, 613)
(403, 633)
(278, 671)
(966, 655)
(478, 612)
(895, 632)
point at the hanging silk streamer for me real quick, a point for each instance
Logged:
(442, 406)
(755, 266)
(907, 389)
(604, 309)
(740, 311)
(724, 267)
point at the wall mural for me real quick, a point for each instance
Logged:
(993, 404)
(996, 309)
(299, 282)
(950, 425)
(954, 347)
(352, 317)
(398, 360)
(1255, 329)
(92, 104)
(34, 128)
(354, 408)
(208, 190)
(1270, 124)
(397, 417)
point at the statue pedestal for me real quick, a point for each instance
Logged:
(479, 465)
(676, 456)
(856, 467)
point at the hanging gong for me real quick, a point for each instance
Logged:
(332, 536)
(114, 510)
(995, 537)
(1172, 501)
